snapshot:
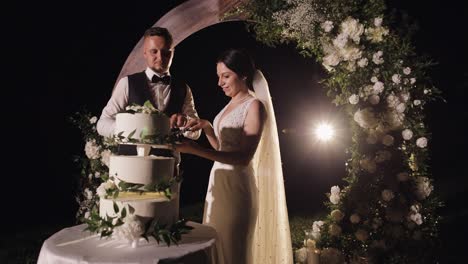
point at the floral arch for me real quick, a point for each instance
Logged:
(385, 213)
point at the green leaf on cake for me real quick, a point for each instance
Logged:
(131, 210)
(124, 213)
(131, 134)
(116, 207)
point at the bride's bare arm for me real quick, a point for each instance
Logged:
(253, 127)
(196, 124)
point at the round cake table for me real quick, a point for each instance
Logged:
(73, 245)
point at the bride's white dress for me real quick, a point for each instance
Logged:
(231, 203)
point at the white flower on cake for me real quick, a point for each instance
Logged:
(327, 26)
(353, 99)
(387, 195)
(361, 235)
(130, 231)
(377, 57)
(93, 120)
(407, 70)
(335, 195)
(337, 215)
(423, 187)
(362, 62)
(421, 142)
(92, 149)
(105, 157)
(354, 218)
(102, 189)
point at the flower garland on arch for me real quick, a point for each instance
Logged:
(387, 208)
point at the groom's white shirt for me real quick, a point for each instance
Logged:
(161, 94)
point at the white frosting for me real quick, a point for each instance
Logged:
(144, 124)
(144, 170)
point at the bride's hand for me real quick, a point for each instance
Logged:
(186, 146)
(195, 124)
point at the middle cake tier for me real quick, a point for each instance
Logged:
(142, 170)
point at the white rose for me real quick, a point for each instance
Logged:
(396, 78)
(334, 198)
(392, 101)
(331, 60)
(335, 190)
(374, 99)
(402, 176)
(93, 120)
(400, 108)
(404, 96)
(387, 140)
(88, 194)
(130, 231)
(426, 91)
(407, 134)
(105, 157)
(353, 99)
(362, 62)
(417, 218)
(355, 218)
(87, 215)
(102, 189)
(334, 230)
(378, 21)
(378, 87)
(361, 235)
(301, 255)
(387, 195)
(327, 26)
(337, 215)
(412, 80)
(350, 53)
(421, 142)
(417, 102)
(352, 28)
(407, 70)
(374, 79)
(341, 40)
(377, 57)
(316, 228)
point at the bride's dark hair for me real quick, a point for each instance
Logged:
(239, 62)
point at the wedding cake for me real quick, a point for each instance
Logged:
(144, 185)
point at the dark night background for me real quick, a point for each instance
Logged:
(78, 51)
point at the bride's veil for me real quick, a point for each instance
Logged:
(272, 239)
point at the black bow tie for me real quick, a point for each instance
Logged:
(165, 79)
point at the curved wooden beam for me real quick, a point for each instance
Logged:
(182, 21)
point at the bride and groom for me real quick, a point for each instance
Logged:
(245, 201)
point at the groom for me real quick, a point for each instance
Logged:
(155, 83)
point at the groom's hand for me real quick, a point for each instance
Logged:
(178, 120)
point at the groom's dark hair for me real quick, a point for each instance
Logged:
(239, 62)
(161, 32)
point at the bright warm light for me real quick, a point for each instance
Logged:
(324, 132)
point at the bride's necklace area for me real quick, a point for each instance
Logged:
(240, 100)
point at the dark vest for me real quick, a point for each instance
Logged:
(139, 93)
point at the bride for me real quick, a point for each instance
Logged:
(245, 201)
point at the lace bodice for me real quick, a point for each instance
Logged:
(230, 129)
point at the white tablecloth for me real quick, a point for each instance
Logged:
(72, 245)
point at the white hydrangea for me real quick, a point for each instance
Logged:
(316, 228)
(362, 62)
(327, 26)
(355, 218)
(341, 40)
(421, 142)
(407, 70)
(400, 108)
(378, 21)
(374, 99)
(403, 176)
(331, 60)
(93, 120)
(352, 28)
(92, 149)
(361, 235)
(392, 101)
(130, 231)
(350, 53)
(417, 102)
(387, 195)
(337, 215)
(378, 87)
(387, 140)
(105, 157)
(353, 99)
(108, 185)
(377, 57)
(404, 96)
(423, 187)
(396, 78)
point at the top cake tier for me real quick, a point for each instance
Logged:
(144, 125)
